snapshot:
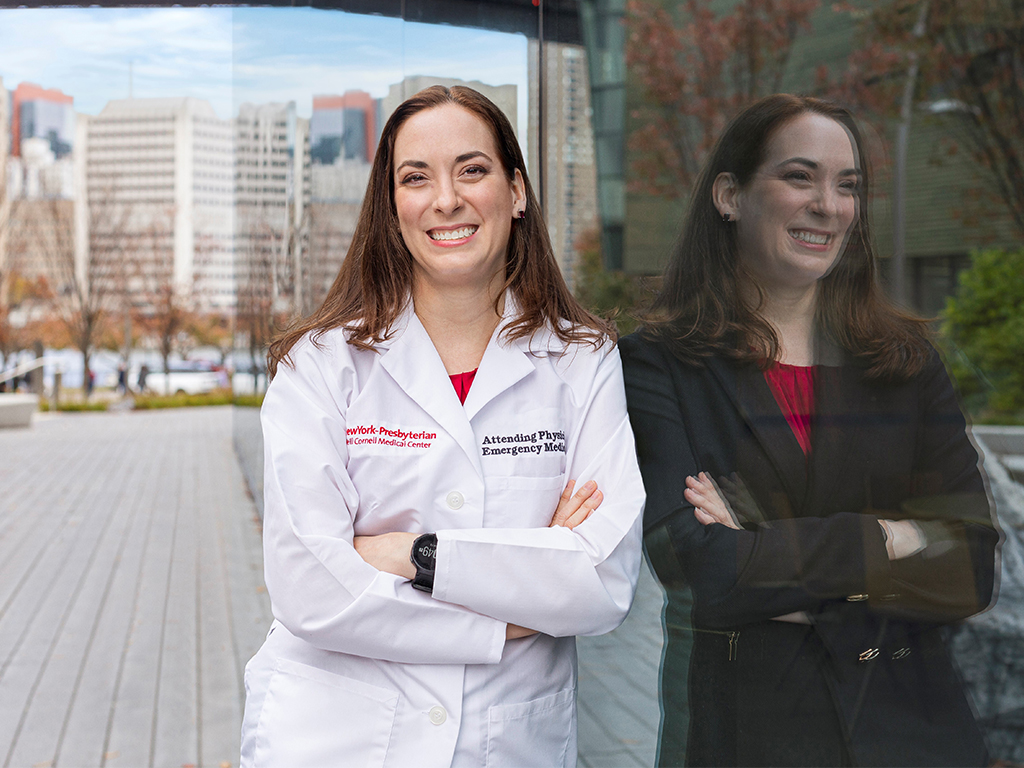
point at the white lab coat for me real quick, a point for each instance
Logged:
(360, 668)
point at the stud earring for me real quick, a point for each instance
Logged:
(521, 214)
(726, 217)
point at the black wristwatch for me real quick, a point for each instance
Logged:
(424, 557)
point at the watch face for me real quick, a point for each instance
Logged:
(425, 552)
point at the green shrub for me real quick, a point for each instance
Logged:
(150, 402)
(985, 322)
(73, 407)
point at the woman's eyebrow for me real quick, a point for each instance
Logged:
(460, 159)
(470, 155)
(411, 163)
(814, 165)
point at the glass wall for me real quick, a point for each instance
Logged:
(182, 183)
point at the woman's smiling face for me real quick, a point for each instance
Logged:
(454, 201)
(794, 215)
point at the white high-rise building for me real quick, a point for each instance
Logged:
(272, 188)
(5, 207)
(159, 177)
(569, 171)
(504, 96)
(38, 173)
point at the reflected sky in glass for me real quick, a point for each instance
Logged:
(231, 56)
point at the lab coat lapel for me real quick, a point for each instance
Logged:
(756, 405)
(504, 363)
(411, 359)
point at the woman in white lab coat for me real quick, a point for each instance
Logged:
(426, 570)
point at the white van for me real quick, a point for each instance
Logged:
(183, 379)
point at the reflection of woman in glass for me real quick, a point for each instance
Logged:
(425, 599)
(809, 476)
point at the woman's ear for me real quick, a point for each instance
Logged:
(518, 193)
(725, 195)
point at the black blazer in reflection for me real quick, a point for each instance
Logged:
(811, 541)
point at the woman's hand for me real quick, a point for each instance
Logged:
(573, 510)
(709, 506)
(903, 538)
(389, 552)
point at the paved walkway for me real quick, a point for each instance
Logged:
(131, 596)
(131, 590)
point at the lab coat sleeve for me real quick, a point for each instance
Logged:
(320, 589)
(558, 581)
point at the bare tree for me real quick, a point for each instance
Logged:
(332, 225)
(256, 275)
(697, 70)
(88, 283)
(967, 57)
(164, 306)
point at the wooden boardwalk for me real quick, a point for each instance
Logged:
(131, 590)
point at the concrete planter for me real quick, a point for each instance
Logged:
(16, 410)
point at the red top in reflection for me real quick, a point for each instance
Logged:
(462, 383)
(793, 387)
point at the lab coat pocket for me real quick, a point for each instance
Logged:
(314, 719)
(534, 733)
(522, 502)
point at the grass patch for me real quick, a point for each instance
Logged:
(216, 397)
(151, 402)
(80, 407)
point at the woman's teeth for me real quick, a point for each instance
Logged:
(809, 237)
(452, 234)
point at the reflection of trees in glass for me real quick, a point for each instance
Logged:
(608, 293)
(970, 63)
(330, 235)
(254, 311)
(697, 69)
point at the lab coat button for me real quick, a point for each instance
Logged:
(455, 500)
(437, 715)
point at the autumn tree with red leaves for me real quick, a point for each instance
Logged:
(697, 71)
(965, 58)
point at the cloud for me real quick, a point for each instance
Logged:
(86, 53)
(229, 56)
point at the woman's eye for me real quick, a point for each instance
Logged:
(798, 176)
(850, 187)
(413, 178)
(474, 170)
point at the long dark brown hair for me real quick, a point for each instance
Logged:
(375, 280)
(700, 311)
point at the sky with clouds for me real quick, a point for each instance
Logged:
(233, 55)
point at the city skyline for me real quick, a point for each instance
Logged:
(232, 56)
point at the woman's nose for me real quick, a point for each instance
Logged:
(447, 200)
(825, 202)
